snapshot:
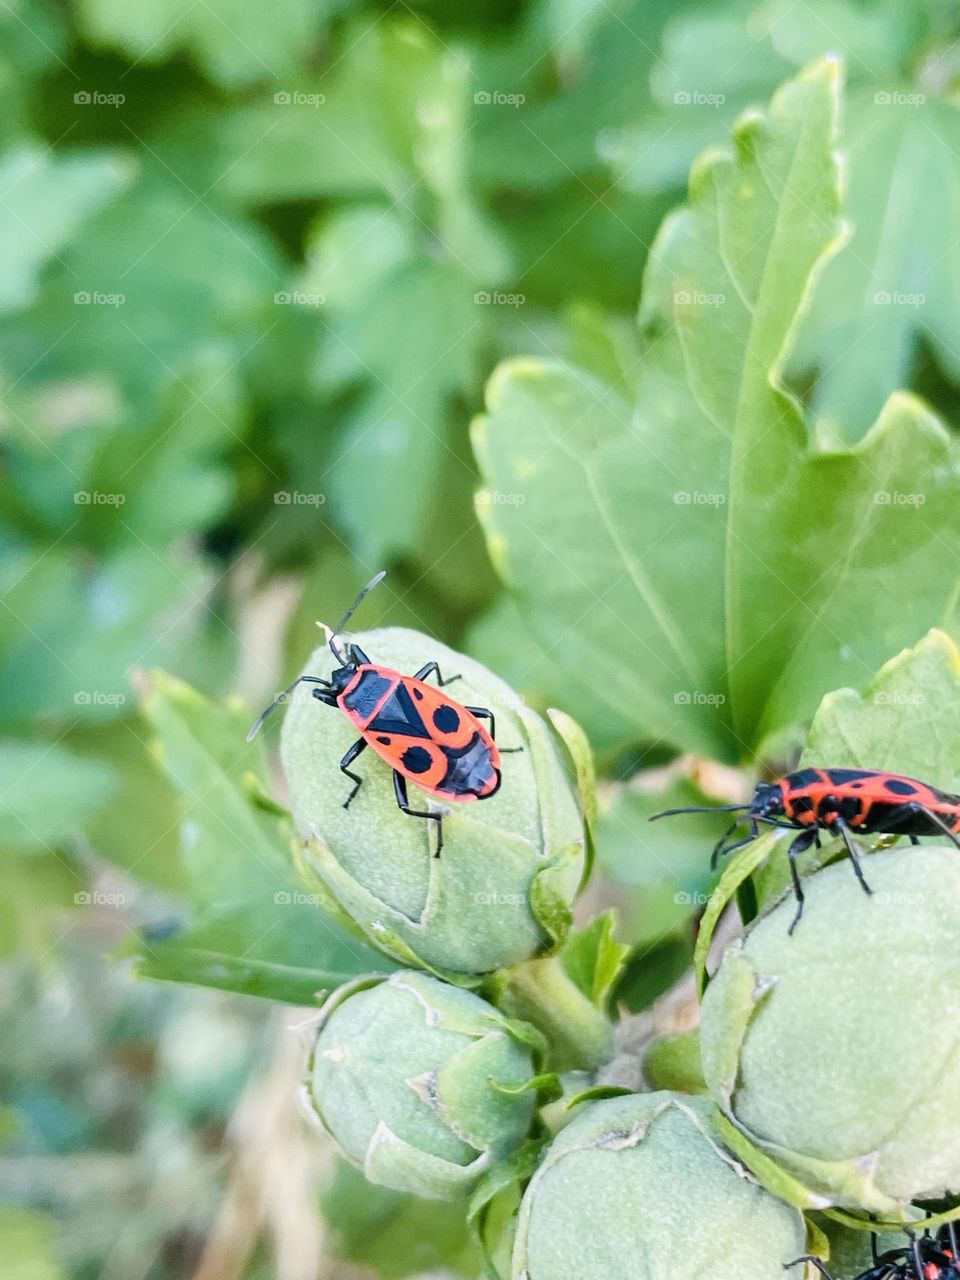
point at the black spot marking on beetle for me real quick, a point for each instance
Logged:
(446, 718)
(827, 808)
(901, 788)
(850, 807)
(386, 741)
(843, 776)
(804, 778)
(416, 759)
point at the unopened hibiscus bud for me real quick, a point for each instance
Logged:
(511, 863)
(834, 1050)
(640, 1186)
(406, 1076)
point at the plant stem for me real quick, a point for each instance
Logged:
(542, 992)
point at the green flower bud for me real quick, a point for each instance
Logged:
(639, 1186)
(835, 1050)
(405, 1074)
(511, 864)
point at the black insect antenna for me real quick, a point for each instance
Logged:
(349, 614)
(277, 702)
(701, 808)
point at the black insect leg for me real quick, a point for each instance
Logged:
(854, 857)
(400, 790)
(937, 822)
(817, 1262)
(731, 848)
(914, 840)
(951, 1232)
(718, 848)
(346, 762)
(484, 713)
(430, 667)
(721, 851)
(916, 1254)
(799, 845)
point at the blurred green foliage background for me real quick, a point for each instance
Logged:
(256, 261)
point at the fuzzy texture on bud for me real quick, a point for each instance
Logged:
(511, 864)
(404, 1077)
(836, 1050)
(639, 1186)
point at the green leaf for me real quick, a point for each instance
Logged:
(739, 866)
(570, 24)
(594, 958)
(401, 423)
(605, 55)
(403, 320)
(671, 543)
(711, 65)
(236, 44)
(907, 720)
(387, 118)
(48, 792)
(33, 36)
(584, 771)
(877, 41)
(74, 627)
(137, 830)
(171, 471)
(766, 1171)
(47, 198)
(503, 640)
(715, 61)
(660, 871)
(130, 300)
(253, 927)
(653, 968)
(570, 243)
(900, 278)
(605, 345)
(289, 953)
(393, 1233)
(121, 482)
(492, 1209)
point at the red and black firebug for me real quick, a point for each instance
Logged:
(841, 802)
(420, 731)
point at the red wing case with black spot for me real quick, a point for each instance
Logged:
(868, 800)
(423, 734)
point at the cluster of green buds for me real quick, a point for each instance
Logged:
(422, 1082)
(826, 1075)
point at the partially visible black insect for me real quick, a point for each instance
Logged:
(922, 1258)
